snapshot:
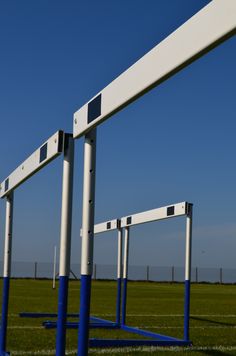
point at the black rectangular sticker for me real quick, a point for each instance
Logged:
(170, 210)
(6, 184)
(108, 225)
(129, 220)
(43, 152)
(94, 108)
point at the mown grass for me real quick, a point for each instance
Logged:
(154, 306)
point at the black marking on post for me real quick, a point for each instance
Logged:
(108, 225)
(188, 208)
(61, 141)
(118, 223)
(94, 108)
(6, 184)
(43, 152)
(170, 210)
(129, 220)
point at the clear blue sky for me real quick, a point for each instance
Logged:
(176, 143)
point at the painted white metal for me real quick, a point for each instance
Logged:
(88, 203)
(42, 156)
(178, 209)
(126, 253)
(188, 246)
(206, 29)
(104, 226)
(54, 268)
(119, 254)
(8, 236)
(66, 206)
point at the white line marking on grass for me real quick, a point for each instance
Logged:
(181, 327)
(154, 349)
(25, 327)
(150, 349)
(174, 315)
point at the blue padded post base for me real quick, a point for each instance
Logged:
(61, 322)
(85, 295)
(186, 310)
(3, 331)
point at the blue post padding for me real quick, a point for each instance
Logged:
(85, 295)
(5, 300)
(118, 300)
(61, 321)
(186, 310)
(124, 300)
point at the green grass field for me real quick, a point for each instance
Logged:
(153, 306)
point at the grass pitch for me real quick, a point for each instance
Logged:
(156, 307)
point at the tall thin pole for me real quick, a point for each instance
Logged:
(54, 268)
(119, 275)
(125, 276)
(65, 242)
(188, 258)
(87, 239)
(6, 271)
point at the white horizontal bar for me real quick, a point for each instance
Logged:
(42, 156)
(206, 29)
(165, 212)
(105, 226)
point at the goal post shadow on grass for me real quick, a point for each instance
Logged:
(59, 143)
(212, 25)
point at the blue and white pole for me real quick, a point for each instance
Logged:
(6, 273)
(65, 243)
(188, 255)
(119, 275)
(87, 239)
(125, 275)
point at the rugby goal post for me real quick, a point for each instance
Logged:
(57, 144)
(211, 26)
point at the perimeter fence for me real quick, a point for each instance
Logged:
(38, 270)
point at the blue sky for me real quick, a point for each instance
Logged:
(176, 143)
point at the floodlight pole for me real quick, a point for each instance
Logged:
(6, 272)
(188, 255)
(87, 239)
(65, 242)
(125, 275)
(119, 275)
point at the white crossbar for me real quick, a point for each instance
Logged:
(165, 212)
(42, 156)
(205, 30)
(105, 226)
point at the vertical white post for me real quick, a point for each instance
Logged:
(188, 259)
(119, 275)
(87, 239)
(65, 242)
(6, 271)
(125, 275)
(119, 254)
(54, 268)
